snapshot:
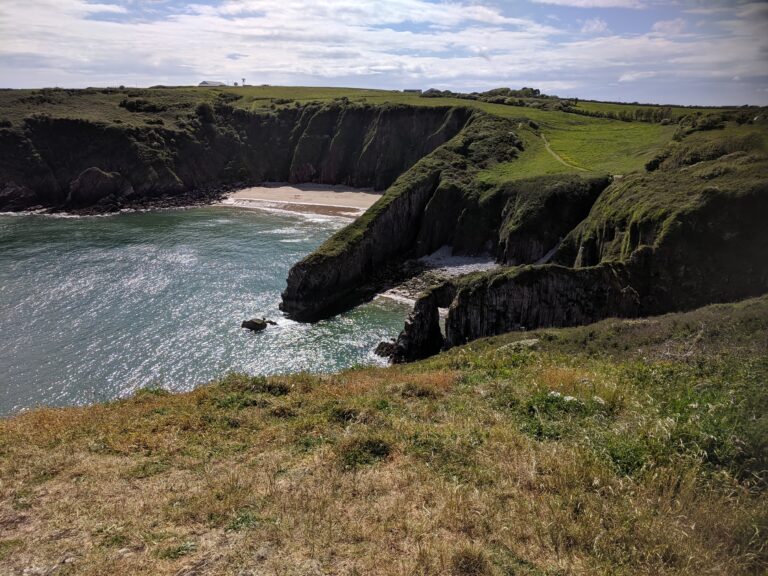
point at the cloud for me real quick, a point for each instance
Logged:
(594, 26)
(670, 27)
(457, 44)
(635, 76)
(595, 3)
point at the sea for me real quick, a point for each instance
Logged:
(94, 308)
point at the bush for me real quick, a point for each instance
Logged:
(362, 451)
(140, 105)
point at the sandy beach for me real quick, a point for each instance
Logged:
(312, 198)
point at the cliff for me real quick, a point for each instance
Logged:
(431, 205)
(44, 159)
(686, 232)
(538, 297)
(686, 235)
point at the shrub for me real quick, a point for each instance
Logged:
(362, 451)
(470, 562)
(140, 105)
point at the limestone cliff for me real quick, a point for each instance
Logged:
(539, 296)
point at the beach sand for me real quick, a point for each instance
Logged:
(312, 198)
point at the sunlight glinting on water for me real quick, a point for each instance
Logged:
(92, 309)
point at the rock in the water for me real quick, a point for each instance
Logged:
(385, 349)
(257, 324)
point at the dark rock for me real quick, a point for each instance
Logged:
(539, 297)
(421, 336)
(95, 186)
(385, 348)
(14, 198)
(257, 324)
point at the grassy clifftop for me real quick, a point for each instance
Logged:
(585, 143)
(624, 447)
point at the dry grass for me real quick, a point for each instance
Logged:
(436, 468)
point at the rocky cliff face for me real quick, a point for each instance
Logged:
(45, 161)
(689, 237)
(540, 212)
(539, 296)
(421, 337)
(650, 243)
(426, 207)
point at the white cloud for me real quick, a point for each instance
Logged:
(594, 26)
(670, 27)
(635, 76)
(595, 3)
(399, 43)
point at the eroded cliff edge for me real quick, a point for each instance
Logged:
(437, 202)
(669, 240)
(76, 164)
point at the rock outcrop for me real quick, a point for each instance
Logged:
(405, 222)
(539, 212)
(421, 337)
(650, 244)
(539, 296)
(257, 324)
(93, 186)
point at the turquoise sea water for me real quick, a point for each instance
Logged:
(93, 308)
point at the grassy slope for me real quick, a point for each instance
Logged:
(590, 143)
(625, 447)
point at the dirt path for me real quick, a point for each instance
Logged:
(558, 158)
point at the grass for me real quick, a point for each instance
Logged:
(589, 143)
(624, 447)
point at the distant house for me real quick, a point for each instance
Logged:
(210, 83)
(412, 91)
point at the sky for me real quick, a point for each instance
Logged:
(679, 51)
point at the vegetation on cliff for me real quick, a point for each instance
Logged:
(674, 194)
(623, 447)
(686, 231)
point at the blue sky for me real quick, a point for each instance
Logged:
(684, 51)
